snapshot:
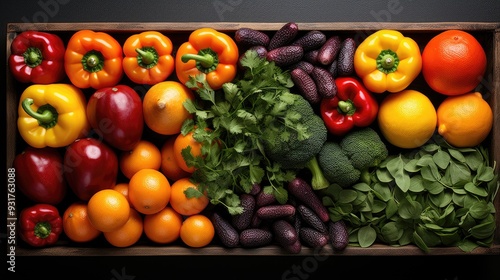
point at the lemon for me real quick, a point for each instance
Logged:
(407, 119)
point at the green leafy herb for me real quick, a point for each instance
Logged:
(230, 122)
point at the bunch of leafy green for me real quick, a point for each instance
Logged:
(234, 123)
(436, 195)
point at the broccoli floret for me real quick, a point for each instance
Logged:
(364, 148)
(297, 153)
(336, 166)
(349, 160)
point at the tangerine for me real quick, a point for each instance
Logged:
(76, 223)
(128, 234)
(144, 155)
(169, 165)
(123, 189)
(163, 227)
(149, 191)
(453, 62)
(197, 231)
(183, 204)
(181, 142)
(108, 210)
(464, 120)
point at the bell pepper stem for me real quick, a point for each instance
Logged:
(147, 57)
(47, 117)
(42, 229)
(387, 61)
(33, 57)
(346, 107)
(93, 61)
(206, 60)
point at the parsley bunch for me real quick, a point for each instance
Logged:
(230, 123)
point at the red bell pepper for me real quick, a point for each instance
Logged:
(45, 183)
(352, 106)
(41, 225)
(37, 57)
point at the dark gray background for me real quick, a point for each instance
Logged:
(450, 267)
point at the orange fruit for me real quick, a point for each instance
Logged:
(129, 233)
(169, 165)
(453, 62)
(407, 119)
(163, 107)
(123, 189)
(181, 203)
(181, 142)
(464, 120)
(144, 155)
(108, 210)
(197, 231)
(149, 191)
(76, 223)
(163, 227)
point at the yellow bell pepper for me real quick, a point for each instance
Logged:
(387, 61)
(52, 115)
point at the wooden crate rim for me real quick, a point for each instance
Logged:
(189, 26)
(376, 250)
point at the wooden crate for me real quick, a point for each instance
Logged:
(487, 33)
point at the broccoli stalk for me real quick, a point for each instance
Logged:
(318, 180)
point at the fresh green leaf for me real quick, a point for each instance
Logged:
(347, 196)
(409, 209)
(366, 236)
(467, 245)
(479, 210)
(472, 188)
(419, 241)
(362, 187)
(483, 230)
(441, 159)
(390, 232)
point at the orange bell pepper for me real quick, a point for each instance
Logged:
(148, 57)
(93, 59)
(210, 53)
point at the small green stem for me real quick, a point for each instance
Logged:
(42, 229)
(346, 107)
(147, 57)
(33, 57)
(205, 60)
(45, 115)
(387, 61)
(93, 61)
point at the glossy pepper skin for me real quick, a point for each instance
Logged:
(45, 183)
(90, 166)
(40, 225)
(116, 114)
(93, 59)
(37, 57)
(210, 53)
(352, 106)
(52, 115)
(148, 57)
(387, 61)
